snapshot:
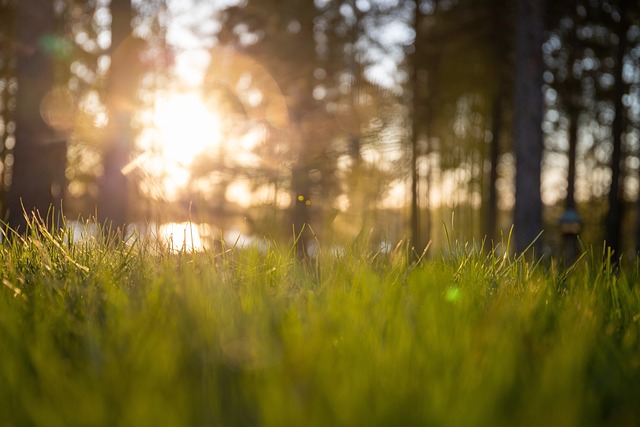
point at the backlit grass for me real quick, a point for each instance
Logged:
(106, 333)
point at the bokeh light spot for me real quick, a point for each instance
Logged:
(58, 109)
(453, 294)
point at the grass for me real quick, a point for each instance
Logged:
(107, 333)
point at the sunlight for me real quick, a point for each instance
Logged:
(180, 127)
(182, 236)
(186, 127)
(198, 128)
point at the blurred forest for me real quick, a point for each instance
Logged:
(337, 119)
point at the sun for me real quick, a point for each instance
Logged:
(180, 126)
(185, 127)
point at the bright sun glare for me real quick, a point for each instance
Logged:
(226, 124)
(186, 127)
(182, 127)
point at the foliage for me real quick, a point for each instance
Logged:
(97, 331)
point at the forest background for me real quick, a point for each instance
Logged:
(377, 119)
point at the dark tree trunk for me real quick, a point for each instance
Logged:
(414, 219)
(429, 113)
(502, 49)
(31, 185)
(303, 212)
(494, 154)
(574, 115)
(614, 215)
(120, 96)
(573, 111)
(570, 222)
(359, 202)
(637, 221)
(528, 140)
(7, 74)
(416, 242)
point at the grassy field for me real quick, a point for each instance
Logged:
(101, 333)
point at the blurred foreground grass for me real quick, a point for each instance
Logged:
(105, 333)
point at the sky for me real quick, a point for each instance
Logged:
(193, 36)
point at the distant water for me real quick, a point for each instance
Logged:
(176, 236)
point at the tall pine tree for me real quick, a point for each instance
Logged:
(31, 184)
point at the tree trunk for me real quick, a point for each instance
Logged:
(574, 115)
(31, 183)
(502, 53)
(120, 96)
(414, 218)
(303, 190)
(614, 215)
(528, 139)
(494, 154)
(7, 74)
(416, 243)
(637, 254)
